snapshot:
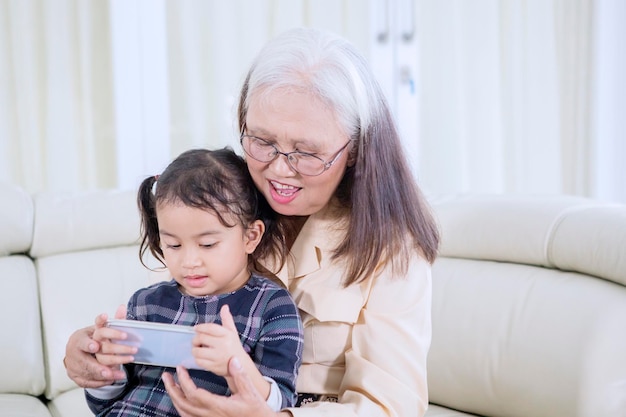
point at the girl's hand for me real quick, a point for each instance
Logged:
(111, 354)
(191, 401)
(215, 345)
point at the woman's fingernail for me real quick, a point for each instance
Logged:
(236, 364)
(92, 347)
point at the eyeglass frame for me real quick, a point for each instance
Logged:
(277, 152)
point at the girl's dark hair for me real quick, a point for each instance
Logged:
(389, 216)
(217, 181)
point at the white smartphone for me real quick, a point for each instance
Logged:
(158, 344)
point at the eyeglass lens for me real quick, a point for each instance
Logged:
(264, 151)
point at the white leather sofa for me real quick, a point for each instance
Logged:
(529, 300)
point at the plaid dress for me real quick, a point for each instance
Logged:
(269, 327)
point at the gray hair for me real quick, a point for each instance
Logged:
(322, 64)
(388, 215)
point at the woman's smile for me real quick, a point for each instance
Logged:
(283, 193)
(295, 121)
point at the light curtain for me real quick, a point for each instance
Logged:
(609, 100)
(212, 43)
(510, 96)
(66, 105)
(56, 116)
(506, 96)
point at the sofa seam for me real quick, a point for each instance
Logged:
(553, 229)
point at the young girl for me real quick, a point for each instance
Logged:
(203, 219)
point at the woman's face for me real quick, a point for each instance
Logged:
(293, 120)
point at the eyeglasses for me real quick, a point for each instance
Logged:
(301, 162)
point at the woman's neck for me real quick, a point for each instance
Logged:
(294, 225)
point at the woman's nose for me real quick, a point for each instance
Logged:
(281, 166)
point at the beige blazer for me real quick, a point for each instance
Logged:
(366, 344)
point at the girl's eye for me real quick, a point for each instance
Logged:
(208, 245)
(172, 246)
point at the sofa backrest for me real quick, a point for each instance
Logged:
(529, 296)
(529, 307)
(85, 247)
(21, 361)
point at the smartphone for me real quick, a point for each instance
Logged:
(158, 344)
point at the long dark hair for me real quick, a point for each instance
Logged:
(389, 217)
(217, 181)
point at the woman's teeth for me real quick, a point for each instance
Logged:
(284, 189)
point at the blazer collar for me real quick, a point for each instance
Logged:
(320, 235)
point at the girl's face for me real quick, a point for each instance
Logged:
(293, 120)
(204, 256)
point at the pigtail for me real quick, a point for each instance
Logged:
(149, 227)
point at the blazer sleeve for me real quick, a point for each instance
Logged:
(385, 367)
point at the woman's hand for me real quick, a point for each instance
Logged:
(191, 401)
(80, 362)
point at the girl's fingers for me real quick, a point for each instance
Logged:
(120, 313)
(227, 318)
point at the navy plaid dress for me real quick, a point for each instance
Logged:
(269, 327)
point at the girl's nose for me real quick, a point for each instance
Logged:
(191, 258)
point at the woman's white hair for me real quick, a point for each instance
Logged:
(389, 217)
(322, 64)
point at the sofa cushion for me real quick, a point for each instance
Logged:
(71, 403)
(66, 222)
(519, 340)
(564, 232)
(16, 405)
(437, 411)
(16, 220)
(592, 240)
(500, 227)
(21, 361)
(75, 287)
(87, 261)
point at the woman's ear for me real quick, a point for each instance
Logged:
(352, 153)
(252, 235)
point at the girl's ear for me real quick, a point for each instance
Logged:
(252, 235)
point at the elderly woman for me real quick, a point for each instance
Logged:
(322, 147)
